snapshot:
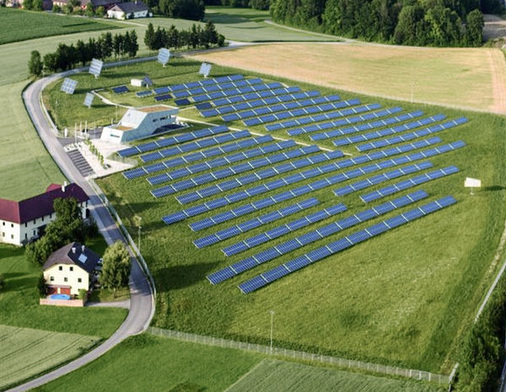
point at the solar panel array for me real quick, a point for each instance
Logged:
(255, 222)
(96, 67)
(200, 83)
(342, 244)
(150, 146)
(302, 240)
(185, 159)
(68, 86)
(120, 89)
(242, 87)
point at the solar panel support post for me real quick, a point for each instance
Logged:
(272, 328)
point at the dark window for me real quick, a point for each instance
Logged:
(79, 280)
(65, 279)
(60, 268)
(72, 268)
(51, 278)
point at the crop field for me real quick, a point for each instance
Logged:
(273, 376)
(148, 363)
(408, 293)
(28, 352)
(19, 305)
(20, 25)
(463, 78)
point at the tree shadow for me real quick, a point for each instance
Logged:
(18, 282)
(182, 276)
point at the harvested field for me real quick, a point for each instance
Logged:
(464, 78)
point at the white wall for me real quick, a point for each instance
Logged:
(56, 275)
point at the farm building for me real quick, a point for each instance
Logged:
(70, 269)
(138, 123)
(23, 220)
(131, 10)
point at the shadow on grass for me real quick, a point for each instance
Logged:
(182, 276)
(494, 188)
(17, 281)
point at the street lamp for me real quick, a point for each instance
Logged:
(139, 232)
(272, 326)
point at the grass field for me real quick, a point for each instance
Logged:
(20, 25)
(276, 376)
(19, 302)
(433, 272)
(28, 352)
(147, 363)
(465, 78)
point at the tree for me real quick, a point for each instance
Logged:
(115, 267)
(106, 45)
(28, 4)
(68, 9)
(90, 12)
(69, 224)
(41, 285)
(149, 37)
(56, 9)
(37, 5)
(2, 282)
(184, 9)
(50, 63)
(133, 46)
(100, 11)
(474, 28)
(35, 64)
(260, 4)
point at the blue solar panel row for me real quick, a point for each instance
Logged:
(400, 186)
(342, 244)
(362, 127)
(163, 97)
(201, 90)
(206, 82)
(142, 94)
(402, 171)
(254, 95)
(196, 145)
(236, 91)
(326, 116)
(305, 239)
(233, 170)
(254, 223)
(411, 135)
(182, 102)
(282, 107)
(209, 165)
(161, 90)
(388, 131)
(321, 184)
(261, 175)
(302, 111)
(184, 137)
(207, 153)
(261, 102)
(120, 89)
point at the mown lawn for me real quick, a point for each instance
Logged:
(408, 293)
(276, 376)
(19, 302)
(149, 363)
(28, 352)
(20, 25)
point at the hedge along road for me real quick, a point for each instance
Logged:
(142, 296)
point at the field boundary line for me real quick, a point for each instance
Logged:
(440, 379)
(246, 374)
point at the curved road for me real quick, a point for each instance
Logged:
(142, 299)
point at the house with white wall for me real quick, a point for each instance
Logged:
(70, 269)
(130, 10)
(139, 123)
(23, 220)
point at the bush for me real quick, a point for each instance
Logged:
(41, 286)
(2, 281)
(83, 294)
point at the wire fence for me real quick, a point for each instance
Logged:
(440, 379)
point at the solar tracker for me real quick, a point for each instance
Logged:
(344, 243)
(305, 239)
(147, 81)
(163, 56)
(88, 99)
(68, 86)
(96, 67)
(205, 69)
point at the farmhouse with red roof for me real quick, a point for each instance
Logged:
(23, 220)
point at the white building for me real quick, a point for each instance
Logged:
(139, 123)
(22, 220)
(70, 269)
(130, 10)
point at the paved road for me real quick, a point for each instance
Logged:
(141, 303)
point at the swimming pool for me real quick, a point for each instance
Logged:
(60, 296)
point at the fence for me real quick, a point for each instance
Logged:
(440, 379)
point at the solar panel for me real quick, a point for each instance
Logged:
(120, 89)
(147, 81)
(163, 56)
(68, 86)
(360, 236)
(88, 99)
(143, 94)
(96, 67)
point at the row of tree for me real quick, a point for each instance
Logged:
(69, 56)
(196, 37)
(411, 22)
(255, 4)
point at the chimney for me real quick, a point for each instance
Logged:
(64, 186)
(74, 249)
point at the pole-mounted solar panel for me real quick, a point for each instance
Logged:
(68, 86)
(88, 100)
(205, 69)
(96, 67)
(163, 56)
